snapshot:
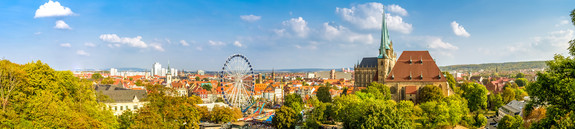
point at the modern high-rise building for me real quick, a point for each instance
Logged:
(113, 72)
(157, 69)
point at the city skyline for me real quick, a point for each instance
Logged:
(195, 35)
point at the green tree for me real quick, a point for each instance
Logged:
(435, 114)
(372, 113)
(430, 93)
(197, 78)
(207, 87)
(496, 101)
(457, 109)
(107, 81)
(166, 111)
(572, 42)
(294, 101)
(126, 119)
(97, 76)
(224, 114)
(323, 94)
(379, 91)
(510, 122)
(45, 98)
(519, 94)
(285, 118)
(521, 82)
(476, 95)
(554, 88)
(450, 80)
(139, 83)
(508, 95)
(480, 120)
(316, 115)
(520, 75)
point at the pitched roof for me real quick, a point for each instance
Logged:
(120, 95)
(411, 90)
(368, 62)
(415, 66)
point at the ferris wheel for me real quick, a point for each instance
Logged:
(237, 81)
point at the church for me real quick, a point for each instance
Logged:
(405, 76)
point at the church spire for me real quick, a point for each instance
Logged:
(385, 41)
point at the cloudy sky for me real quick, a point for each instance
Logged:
(201, 34)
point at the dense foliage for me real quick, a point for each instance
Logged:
(511, 122)
(167, 111)
(323, 94)
(430, 93)
(36, 96)
(285, 118)
(507, 66)
(555, 88)
(476, 95)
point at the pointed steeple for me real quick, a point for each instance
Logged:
(385, 41)
(169, 70)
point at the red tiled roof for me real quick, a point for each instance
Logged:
(411, 90)
(417, 64)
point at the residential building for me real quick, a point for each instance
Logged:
(512, 108)
(122, 99)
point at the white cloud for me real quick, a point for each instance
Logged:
(82, 53)
(157, 46)
(216, 43)
(238, 44)
(250, 18)
(52, 9)
(66, 45)
(562, 22)
(88, 44)
(439, 44)
(184, 43)
(116, 40)
(199, 48)
(62, 25)
(368, 16)
(341, 33)
(37, 33)
(459, 30)
(396, 23)
(396, 9)
(298, 26)
(365, 16)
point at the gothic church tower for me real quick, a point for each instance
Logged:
(387, 57)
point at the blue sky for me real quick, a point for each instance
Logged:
(201, 34)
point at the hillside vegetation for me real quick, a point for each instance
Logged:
(507, 66)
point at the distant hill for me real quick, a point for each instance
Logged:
(507, 66)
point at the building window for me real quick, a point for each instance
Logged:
(135, 107)
(114, 108)
(121, 108)
(127, 107)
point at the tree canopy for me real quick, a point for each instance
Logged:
(555, 88)
(323, 94)
(476, 95)
(430, 93)
(36, 96)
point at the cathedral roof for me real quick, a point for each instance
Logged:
(415, 66)
(368, 62)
